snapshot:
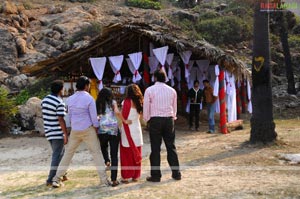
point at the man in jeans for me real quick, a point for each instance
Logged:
(84, 124)
(211, 105)
(53, 110)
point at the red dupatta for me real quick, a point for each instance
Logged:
(125, 113)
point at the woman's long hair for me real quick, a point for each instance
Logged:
(134, 93)
(104, 99)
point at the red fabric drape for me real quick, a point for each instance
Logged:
(146, 74)
(125, 112)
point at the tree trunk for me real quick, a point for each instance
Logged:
(286, 51)
(262, 124)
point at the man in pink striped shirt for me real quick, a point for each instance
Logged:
(159, 110)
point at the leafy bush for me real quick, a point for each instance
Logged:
(208, 15)
(146, 4)
(93, 30)
(224, 30)
(39, 89)
(7, 110)
(296, 29)
(294, 41)
(240, 8)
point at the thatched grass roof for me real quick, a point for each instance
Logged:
(119, 39)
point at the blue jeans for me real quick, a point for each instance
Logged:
(57, 153)
(211, 109)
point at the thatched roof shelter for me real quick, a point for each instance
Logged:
(123, 39)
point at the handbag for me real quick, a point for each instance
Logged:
(108, 122)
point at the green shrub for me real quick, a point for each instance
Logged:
(240, 8)
(208, 15)
(7, 110)
(93, 30)
(146, 4)
(294, 41)
(39, 89)
(224, 30)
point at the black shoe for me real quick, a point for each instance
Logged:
(151, 179)
(177, 177)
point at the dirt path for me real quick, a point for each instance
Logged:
(213, 166)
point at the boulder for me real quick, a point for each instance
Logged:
(46, 49)
(9, 7)
(18, 81)
(30, 115)
(21, 45)
(8, 53)
(3, 76)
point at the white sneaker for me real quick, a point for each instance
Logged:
(56, 184)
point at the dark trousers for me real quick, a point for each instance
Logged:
(57, 147)
(194, 113)
(163, 128)
(113, 141)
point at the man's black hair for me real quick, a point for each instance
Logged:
(57, 86)
(205, 81)
(160, 75)
(82, 82)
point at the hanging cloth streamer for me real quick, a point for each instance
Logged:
(193, 74)
(249, 97)
(185, 56)
(216, 84)
(153, 64)
(161, 55)
(169, 62)
(134, 62)
(116, 64)
(202, 65)
(98, 65)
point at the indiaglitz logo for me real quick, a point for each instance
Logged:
(277, 5)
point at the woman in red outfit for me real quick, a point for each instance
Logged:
(131, 135)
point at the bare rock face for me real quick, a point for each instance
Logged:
(8, 53)
(9, 8)
(30, 115)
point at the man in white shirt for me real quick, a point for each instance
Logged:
(160, 109)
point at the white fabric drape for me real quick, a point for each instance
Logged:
(185, 56)
(230, 96)
(153, 64)
(203, 66)
(249, 97)
(116, 64)
(98, 65)
(161, 55)
(193, 70)
(136, 60)
(216, 84)
(169, 62)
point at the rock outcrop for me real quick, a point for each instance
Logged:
(9, 53)
(30, 115)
